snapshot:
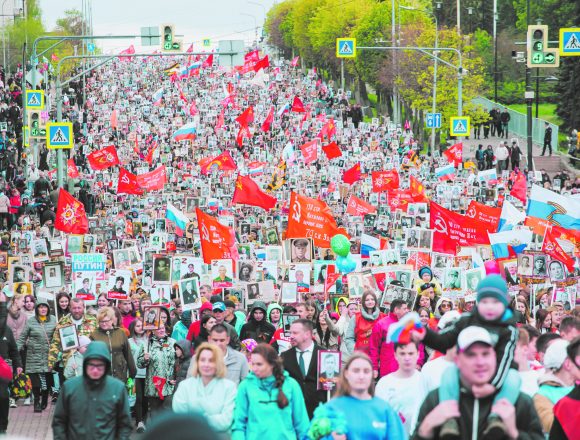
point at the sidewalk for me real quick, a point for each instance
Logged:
(24, 423)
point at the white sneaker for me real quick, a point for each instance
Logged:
(140, 427)
(27, 401)
(13, 403)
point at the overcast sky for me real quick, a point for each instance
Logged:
(195, 19)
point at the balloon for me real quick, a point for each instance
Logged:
(340, 245)
(345, 264)
(491, 267)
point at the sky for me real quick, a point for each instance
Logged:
(194, 19)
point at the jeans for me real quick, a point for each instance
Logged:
(449, 389)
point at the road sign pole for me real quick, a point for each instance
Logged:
(59, 154)
(529, 93)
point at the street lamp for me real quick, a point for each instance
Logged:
(434, 100)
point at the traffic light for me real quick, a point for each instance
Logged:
(36, 125)
(538, 53)
(169, 41)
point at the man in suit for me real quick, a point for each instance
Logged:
(189, 294)
(301, 363)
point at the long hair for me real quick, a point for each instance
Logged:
(343, 388)
(218, 358)
(369, 292)
(271, 357)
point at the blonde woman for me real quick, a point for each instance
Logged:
(206, 389)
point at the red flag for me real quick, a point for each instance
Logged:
(70, 215)
(310, 152)
(262, 64)
(551, 247)
(485, 214)
(193, 108)
(415, 186)
(153, 180)
(72, 169)
(399, 199)
(352, 175)
(246, 118)
(356, 206)
(208, 61)
(127, 183)
(190, 48)
(243, 132)
(159, 383)
(452, 230)
(328, 130)
(330, 280)
(454, 154)
(268, 121)
(223, 162)
(149, 157)
(311, 218)
(294, 61)
(217, 241)
(297, 105)
(252, 56)
(103, 158)
(520, 188)
(248, 192)
(332, 150)
(385, 180)
(220, 120)
(130, 50)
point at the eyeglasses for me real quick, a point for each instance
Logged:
(445, 306)
(99, 366)
(105, 320)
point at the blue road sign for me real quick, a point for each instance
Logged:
(346, 47)
(460, 126)
(91, 47)
(59, 135)
(35, 99)
(433, 120)
(570, 42)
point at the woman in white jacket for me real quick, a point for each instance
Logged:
(206, 390)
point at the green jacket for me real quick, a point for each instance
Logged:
(55, 354)
(257, 415)
(161, 363)
(36, 336)
(87, 409)
(123, 365)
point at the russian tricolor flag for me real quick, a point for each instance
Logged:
(179, 218)
(187, 70)
(158, 96)
(185, 132)
(509, 243)
(509, 217)
(556, 208)
(446, 172)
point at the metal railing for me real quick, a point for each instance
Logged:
(518, 123)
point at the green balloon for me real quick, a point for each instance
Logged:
(340, 245)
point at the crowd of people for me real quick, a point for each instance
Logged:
(193, 266)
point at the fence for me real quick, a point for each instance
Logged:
(519, 123)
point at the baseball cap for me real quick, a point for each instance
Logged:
(219, 306)
(556, 354)
(471, 335)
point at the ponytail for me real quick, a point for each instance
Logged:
(271, 357)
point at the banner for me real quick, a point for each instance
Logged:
(356, 206)
(217, 241)
(485, 214)
(103, 158)
(153, 180)
(385, 180)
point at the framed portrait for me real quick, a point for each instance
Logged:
(222, 273)
(525, 266)
(19, 273)
(452, 278)
(300, 274)
(246, 271)
(404, 276)
(68, 337)
(53, 275)
(540, 267)
(189, 293)
(24, 288)
(121, 259)
(328, 369)
(39, 250)
(471, 279)
(161, 269)
(557, 271)
(119, 284)
(355, 285)
(289, 293)
(301, 250)
(74, 244)
(151, 318)
(272, 237)
(509, 270)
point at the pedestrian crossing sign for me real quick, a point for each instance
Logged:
(346, 47)
(35, 99)
(59, 135)
(570, 42)
(460, 126)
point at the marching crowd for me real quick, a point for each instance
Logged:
(196, 266)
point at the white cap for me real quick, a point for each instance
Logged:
(471, 335)
(448, 318)
(556, 354)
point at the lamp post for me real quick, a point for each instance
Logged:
(255, 23)
(434, 99)
(495, 50)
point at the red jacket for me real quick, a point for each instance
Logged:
(383, 354)
(362, 331)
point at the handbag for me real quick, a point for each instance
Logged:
(21, 387)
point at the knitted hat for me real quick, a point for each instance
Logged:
(425, 269)
(493, 286)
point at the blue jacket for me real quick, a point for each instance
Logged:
(257, 415)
